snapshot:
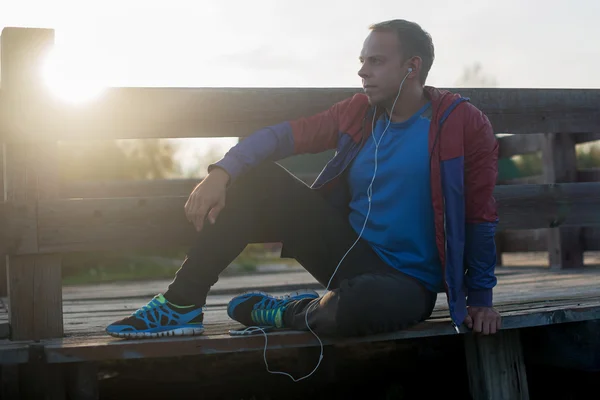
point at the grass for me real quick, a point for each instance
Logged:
(104, 267)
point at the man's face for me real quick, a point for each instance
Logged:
(382, 67)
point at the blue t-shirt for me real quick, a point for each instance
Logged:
(401, 226)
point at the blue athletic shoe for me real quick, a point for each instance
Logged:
(159, 318)
(262, 309)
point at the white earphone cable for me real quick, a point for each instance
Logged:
(369, 196)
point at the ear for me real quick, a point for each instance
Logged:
(414, 63)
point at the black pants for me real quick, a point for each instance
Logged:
(270, 205)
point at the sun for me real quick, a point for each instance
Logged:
(72, 75)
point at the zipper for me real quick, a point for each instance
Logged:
(446, 258)
(346, 166)
(444, 215)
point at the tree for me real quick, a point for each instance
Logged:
(116, 160)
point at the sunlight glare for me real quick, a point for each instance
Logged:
(73, 76)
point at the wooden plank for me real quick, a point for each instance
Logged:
(139, 188)
(496, 366)
(517, 241)
(520, 144)
(123, 223)
(124, 113)
(560, 165)
(82, 381)
(35, 285)
(521, 293)
(102, 348)
(3, 259)
(9, 382)
(34, 282)
(585, 137)
(588, 175)
(146, 188)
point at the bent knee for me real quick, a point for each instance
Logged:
(373, 303)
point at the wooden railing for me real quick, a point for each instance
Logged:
(41, 218)
(565, 245)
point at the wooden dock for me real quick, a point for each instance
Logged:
(41, 218)
(525, 296)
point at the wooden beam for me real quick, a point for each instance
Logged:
(66, 225)
(139, 188)
(85, 349)
(588, 175)
(496, 366)
(34, 282)
(560, 166)
(522, 241)
(585, 137)
(520, 144)
(136, 113)
(3, 259)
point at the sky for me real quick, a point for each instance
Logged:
(309, 43)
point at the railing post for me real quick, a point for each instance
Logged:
(3, 259)
(565, 247)
(34, 281)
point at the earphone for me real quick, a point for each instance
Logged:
(369, 196)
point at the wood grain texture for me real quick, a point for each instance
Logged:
(560, 166)
(131, 113)
(528, 240)
(3, 239)
(496, 367)
(524, 297)
(520, 144)
(67, 225)
(31, 174)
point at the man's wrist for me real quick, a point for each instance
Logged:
(220, 175)
(480, 298)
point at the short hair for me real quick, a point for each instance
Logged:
(414, 41)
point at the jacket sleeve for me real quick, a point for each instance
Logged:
(481, 171)
(313, 134)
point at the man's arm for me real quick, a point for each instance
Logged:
(481, 171)
(312, 134)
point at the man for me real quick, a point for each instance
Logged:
(402, 212)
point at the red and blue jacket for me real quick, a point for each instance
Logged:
(463, 158)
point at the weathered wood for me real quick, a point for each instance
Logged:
(585, 137)
(518, 241)
(40, 381)
(3, 259)
(588, 175)
(192, 112)
(496, 366)
(520, 144)
(34, 282)
(82, 381)
(524, 297)
(560, 165)
(125, 223)
(83, 349)
(9, 382)
(139, 188)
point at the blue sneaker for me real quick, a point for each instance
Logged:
(262, 309)
(159, 318)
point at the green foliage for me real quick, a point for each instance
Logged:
(97, 160)
(589, 158)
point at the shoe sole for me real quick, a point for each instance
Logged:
(150, 335)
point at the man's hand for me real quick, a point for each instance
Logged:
(207, 197)
(484, 320)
